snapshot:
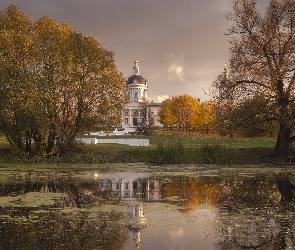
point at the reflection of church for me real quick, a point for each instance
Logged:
(139, 187)
(138, 221)
(137, 96)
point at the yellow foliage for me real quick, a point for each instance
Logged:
(186, 113)
(193, 192)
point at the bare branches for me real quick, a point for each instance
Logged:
(262, 59)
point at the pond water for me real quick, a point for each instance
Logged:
(125, 206)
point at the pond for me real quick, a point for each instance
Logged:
(135, 206)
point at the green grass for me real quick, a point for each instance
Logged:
(233, 143)
(165, 148)
(197, 141)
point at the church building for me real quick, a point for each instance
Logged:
(137, 101)
(224, 94)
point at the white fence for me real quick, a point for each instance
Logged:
(130, 142)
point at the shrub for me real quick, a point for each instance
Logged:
(168, 153)
(212, 153)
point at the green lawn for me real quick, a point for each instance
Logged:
(232, 143)
(164, 148)
(189, 140)
(196, 141)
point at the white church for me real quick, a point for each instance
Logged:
(137, 95)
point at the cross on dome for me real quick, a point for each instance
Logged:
(135, 68)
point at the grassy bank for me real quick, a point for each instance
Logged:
(165, 148)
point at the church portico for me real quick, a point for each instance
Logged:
(131, 117)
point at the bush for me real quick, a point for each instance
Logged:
(217, 154)
(212, 153)
(168, 153)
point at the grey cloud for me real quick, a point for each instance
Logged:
(179, 44)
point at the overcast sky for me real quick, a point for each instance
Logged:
(180, 44)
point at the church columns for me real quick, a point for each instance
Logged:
(129, 122)
(137, 94)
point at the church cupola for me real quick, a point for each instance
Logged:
(137, 86)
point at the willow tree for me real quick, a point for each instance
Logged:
(17, 67)
(55, 82)
(262, 62)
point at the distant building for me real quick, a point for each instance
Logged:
(224, 92)
(137, 96)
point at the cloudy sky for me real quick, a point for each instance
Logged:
(180, 45)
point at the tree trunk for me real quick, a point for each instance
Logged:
(37, 140)
(283, 142)
(285, 187)
(29, 146)
(51, 138)
(284, 136)
(19, 143)
(28, 142)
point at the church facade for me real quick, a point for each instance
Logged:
(138, 102)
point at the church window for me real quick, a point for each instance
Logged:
(126, 186)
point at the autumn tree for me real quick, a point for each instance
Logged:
(262, 59)
(186, 113)
(16, 76)
(165, 113)
(55, 83)
(247, 116)
(179, 112)
(185, 110)
(206, 116)
(145, 118)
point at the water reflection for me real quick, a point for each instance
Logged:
(230, 209)
(131, 187)
(136, 215)
(258, 213)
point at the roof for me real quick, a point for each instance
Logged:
(136, 79)
(155, 104)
